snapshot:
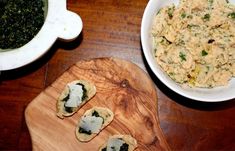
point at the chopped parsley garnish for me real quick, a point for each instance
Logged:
(204, 53)
(206, 17)
(182, 56)
(231, 15)
(190, 16)
(183, 15)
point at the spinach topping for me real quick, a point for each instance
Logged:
(182, 56)
(206, 17)
(67, 109)
(96, 114)
(124, 147)
(20, 21)
(104, 149)
(81, 130)
(84, 96)
(231, 15)
(204, 53)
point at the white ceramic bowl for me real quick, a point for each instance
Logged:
(59, 23)
(201, 94)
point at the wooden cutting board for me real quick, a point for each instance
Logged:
(121, 86)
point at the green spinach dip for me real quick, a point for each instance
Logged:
(20, 21)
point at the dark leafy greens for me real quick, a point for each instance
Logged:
(20, 21)
(124, 147)
(84, 96)
(81, 130)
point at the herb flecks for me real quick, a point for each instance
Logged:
(182, 56)
(211, 1)
(20, 21)
(183, 15)
(170, 12)
(206, 17)
(190, 26)
(231, 15)
(204, 53)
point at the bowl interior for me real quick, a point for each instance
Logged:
(45, 9)
(201, 94)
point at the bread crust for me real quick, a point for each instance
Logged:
(105, 113)
(91, 91)
(127, 138)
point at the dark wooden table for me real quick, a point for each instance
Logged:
(112, 28)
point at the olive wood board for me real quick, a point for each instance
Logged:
(121, 86)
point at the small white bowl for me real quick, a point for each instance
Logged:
(217, 94)
(59, 23)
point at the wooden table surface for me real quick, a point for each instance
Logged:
(112, 29)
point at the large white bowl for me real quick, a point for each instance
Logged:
(59, 23)
(201, 94)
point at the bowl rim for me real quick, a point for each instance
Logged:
(145, 33)
(60, 23)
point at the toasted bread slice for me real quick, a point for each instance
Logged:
(92, 122)
(123, 142)
(89, 90)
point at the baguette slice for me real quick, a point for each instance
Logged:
(93, 122)
(62, 110)
(129, 143)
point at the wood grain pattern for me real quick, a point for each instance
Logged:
(121, 86)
